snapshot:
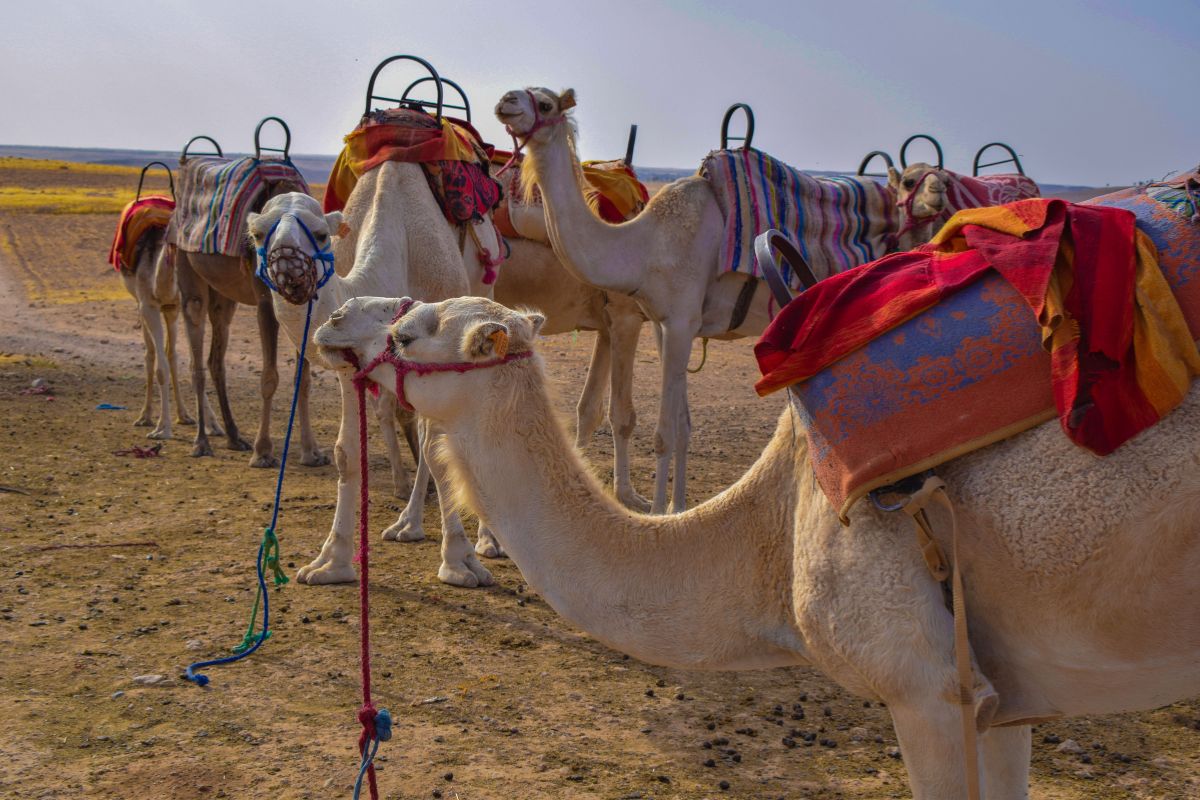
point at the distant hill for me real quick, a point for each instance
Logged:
(315, 168)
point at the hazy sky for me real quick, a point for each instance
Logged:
(1088, 91)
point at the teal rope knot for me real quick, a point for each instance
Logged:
(271, 556)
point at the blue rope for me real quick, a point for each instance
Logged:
(322, 254)
(383, 732)
(268, 548)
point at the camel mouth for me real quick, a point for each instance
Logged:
(294, 274)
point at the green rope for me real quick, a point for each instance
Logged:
(268, 557)
(703, 358)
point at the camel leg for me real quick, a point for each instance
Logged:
(486, 543)
(624, 329)
(1006, 755)
(674, 426)
(220, 314)
(311, 454)
(589, 410)
(268, 335)
(152, 328)
(170, 314)
(460, 566)
(334, 563)
(385, 410)
(930, 736)
(194, 299)
(410, 525)
(144, 420)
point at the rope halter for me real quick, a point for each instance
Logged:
(296, 269)
(911, 219)
(539, 122)
(403, 366)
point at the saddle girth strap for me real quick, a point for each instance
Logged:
(934, 489)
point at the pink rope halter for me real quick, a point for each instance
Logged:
(539, 122)
(403, 366)
(912, 220)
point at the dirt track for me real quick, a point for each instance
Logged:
(525, 706)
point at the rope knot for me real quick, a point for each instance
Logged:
(383, 725)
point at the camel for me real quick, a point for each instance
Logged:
(666, 259)
(928, 196)
(151, 282)
(213, 285)
(398, 241)
(531, 273)
(1064, 622)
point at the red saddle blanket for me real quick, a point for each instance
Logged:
(137, 218)
(452, 155)
(1010, 316)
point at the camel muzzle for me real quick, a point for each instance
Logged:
(294, 273)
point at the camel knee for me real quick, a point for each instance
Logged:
(340, 458)
(193, 309)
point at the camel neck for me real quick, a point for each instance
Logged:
(594, 251)
(690, 591)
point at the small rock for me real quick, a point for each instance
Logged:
(117, 695)
(449, 776)
(724, 786)
(893, 752)
(1070, 747)
(858, 734)
(148, 680)
(194, 644)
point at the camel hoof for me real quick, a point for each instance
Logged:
(404, 531)
(634, 502)
(469, 574)
(184, 421)
(317, 458)
(202, 449)
(264, 462)
(488, 547)
(238, 443)
(318, 573)
(159, 433)
(143, 422)
(401, 490)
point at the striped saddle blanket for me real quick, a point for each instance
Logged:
(137, 219)
(964, 191)
(838, 222)
(215, 196)
(612, 190)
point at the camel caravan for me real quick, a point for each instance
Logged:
(977, 566)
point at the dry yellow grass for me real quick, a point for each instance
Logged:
(16, 162)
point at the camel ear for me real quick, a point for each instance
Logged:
(336, 226)
(487, 340)
(252, 224)
(893, 178)
(566, 100)
(536, 321)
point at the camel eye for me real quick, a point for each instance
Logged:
(544, 106)
(402, 340)
(909, 183)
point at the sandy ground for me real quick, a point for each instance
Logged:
(494, 695)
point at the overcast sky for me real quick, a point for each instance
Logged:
(1089, 91)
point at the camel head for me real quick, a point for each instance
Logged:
(533, 112)
(457, 335)
(294, 239)
(924, 184)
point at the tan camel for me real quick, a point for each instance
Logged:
(212, 286)
(1074, 587)
(151, 282)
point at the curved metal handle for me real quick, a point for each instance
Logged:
(765, 246)
(913, 138)
(745, 140)
(629, 145)
(1012, 159)
(466, 104)
(862, 165)
(287, 141)
(183, 156)
(142, 177)
(437, 82)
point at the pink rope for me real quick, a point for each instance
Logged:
(366, 714)
(911, 219)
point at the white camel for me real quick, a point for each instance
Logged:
(666, 258)
(1077, 589)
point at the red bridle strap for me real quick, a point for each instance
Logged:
(911, 220)
(539, 122)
